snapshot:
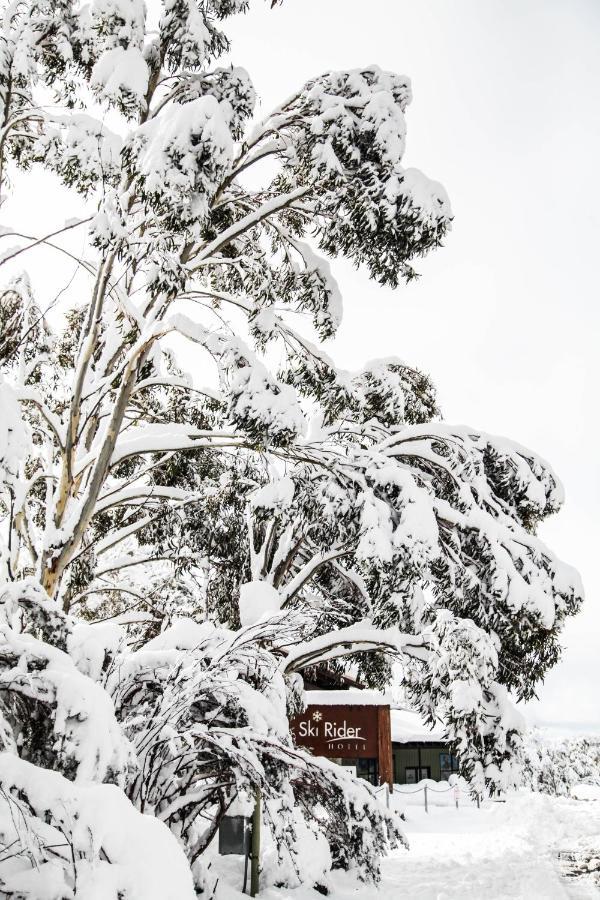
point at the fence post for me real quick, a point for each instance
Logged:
(387, 795)
(426, 807)
(478, 802)
(456, 795)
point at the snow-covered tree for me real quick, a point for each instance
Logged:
(555, 765)
(177, 547)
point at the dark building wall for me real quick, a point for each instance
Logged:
(427, 756)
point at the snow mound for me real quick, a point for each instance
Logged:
(586, 792)
(257, 599)
(116, 851)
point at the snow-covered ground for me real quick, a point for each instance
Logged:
(503, 851)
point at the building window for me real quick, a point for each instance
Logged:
(448, 766)
(363, 768)
(414, 774)
(368, 769)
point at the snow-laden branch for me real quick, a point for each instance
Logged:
(275, 205)
(169, 382)
(145, 494)
(161, 438)
(309, 570)
(268, 148)
(358, 638)
(29, 395)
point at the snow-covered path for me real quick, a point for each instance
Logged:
(505, 851)
(501, 852)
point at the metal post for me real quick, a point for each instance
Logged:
(246, 855)
(255, 847)
(426, 807)
(478, 802)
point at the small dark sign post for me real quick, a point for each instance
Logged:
(349, 731)
(234, 835)
(238, 836)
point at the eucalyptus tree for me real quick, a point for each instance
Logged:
(177, 547)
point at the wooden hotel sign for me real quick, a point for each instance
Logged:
(348, 731)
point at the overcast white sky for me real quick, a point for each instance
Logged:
(506, 114)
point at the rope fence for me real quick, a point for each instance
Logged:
(426, 789)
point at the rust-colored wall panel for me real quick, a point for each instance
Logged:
(384, 739)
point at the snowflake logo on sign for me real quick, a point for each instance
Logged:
(317, 716)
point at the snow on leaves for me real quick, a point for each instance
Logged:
(13, 434)
(57, 716)
(560, 766)
(489, 494)
(109, 25)
(80, 149)
(188, 36)
(348, 129)
(267, 411)
(120, 76)
(179, 163)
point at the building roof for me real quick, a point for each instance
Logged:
(409, 727)
(345, 698)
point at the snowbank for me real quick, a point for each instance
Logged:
(112, 850)
(586, 792)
